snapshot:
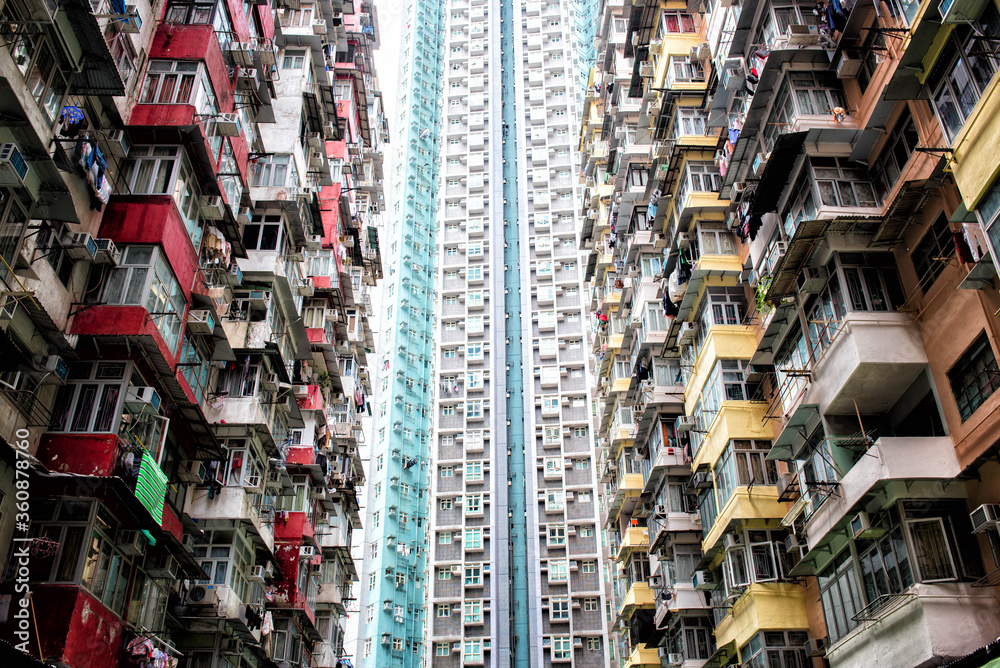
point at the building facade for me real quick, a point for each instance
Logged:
(392, 626)
(790, 222)
(515, 570)
(191, 199)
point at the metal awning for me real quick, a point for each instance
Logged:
(313, 112)
(908, 203)
(98, 74)
(777, 171)
(905, 84)
(797, 254)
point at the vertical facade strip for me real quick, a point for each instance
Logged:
(392, 599)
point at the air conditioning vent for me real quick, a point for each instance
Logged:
(688, 331)
(985, 517)
(228, 125)
(863, 527)
(256, 574)
(57, 367)
(212, 208)
(307, 552)
(703, 580)
(79, 246)
(118, 144)
(107, 252)
(201, 321)
(686, 423)
(201, 595)
(13, 166)
(142, 400)
(812, 280)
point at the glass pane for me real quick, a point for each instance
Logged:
(931, 551)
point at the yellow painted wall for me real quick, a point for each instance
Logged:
(736, 419)
(722, 342)
(975, 163)
(759, 504)
(766, 606)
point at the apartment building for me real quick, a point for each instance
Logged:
(191, 200)
(515, 565)
(392, 627)
(789, 217)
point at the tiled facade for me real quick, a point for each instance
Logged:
(191, 202)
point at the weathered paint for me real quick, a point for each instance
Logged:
(122, 321)
(84, 454)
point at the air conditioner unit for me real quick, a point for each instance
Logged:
(246, 80)
(848, 67)
(200, 321)
(13, 166)
(701, 480)
(228, 125)
(201, 595)
(812, 280)
(704, 51)
(190, 471)
(256, 574)
(686, 423)
(815, 647)
(162, 567)
(785, 482)
(57, 367)
(960, 11)
(300, 391)
(683, 240)
(688, 332)
(675, 659)
(212, 208)
(142, 400)
(984, 517)
(802, 35)
(324, 518)
(269, 381)
(646, 68)
(734, 73)
(131, 543)
(759, 162)
(319, 27)
(79, 246)
(862, 527)
(241, 53)
(231, 646)
(306, 288)
(307, 552)
(118, 144)
(243, 217)
(577, 642)
(737, 191)
(107, 252)
(314, 241)
(703, 580)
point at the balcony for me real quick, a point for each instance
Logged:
(908, 467)
(638, 597)
(643, 657)
(933, 625)
(682, 597)
(635, 539)
(626, 496)
(871, 361)
(764, 605)
(745, 504)
(229, 503)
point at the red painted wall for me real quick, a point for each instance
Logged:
(173, 41)
(74, 628)
(265, 15)
(122, 321)
(304, 455)
(85, 454)
(153, 219)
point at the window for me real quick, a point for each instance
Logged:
(558, 570)
(444, 610)
(444, 538)
(273, 171)
(775, 649)
(743, 463)
(593, 644)
(444, 573)
(974, 377)
(473, 651)
(590, 605)
(294, 59)
(447, 471)
(581, 432)
(932, 253)
(473, 612)
(684, 70)
(963, 71)
(474, 504)
(583, 497)
(446, 504)
(441, 649)
(170, 82)
(144, 278)
(473, 471)
(473, 539)
(559, 609)
(562, 648)
(557, 536)
(263, 233)
(588, 567)
(473, 576)
(896, 151)
(447, 410)
(677, 22)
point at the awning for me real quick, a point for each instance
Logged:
(635, 85)
(909, 200)
(777, 172)
(151, 488)
(905, 84)
(98, 73)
